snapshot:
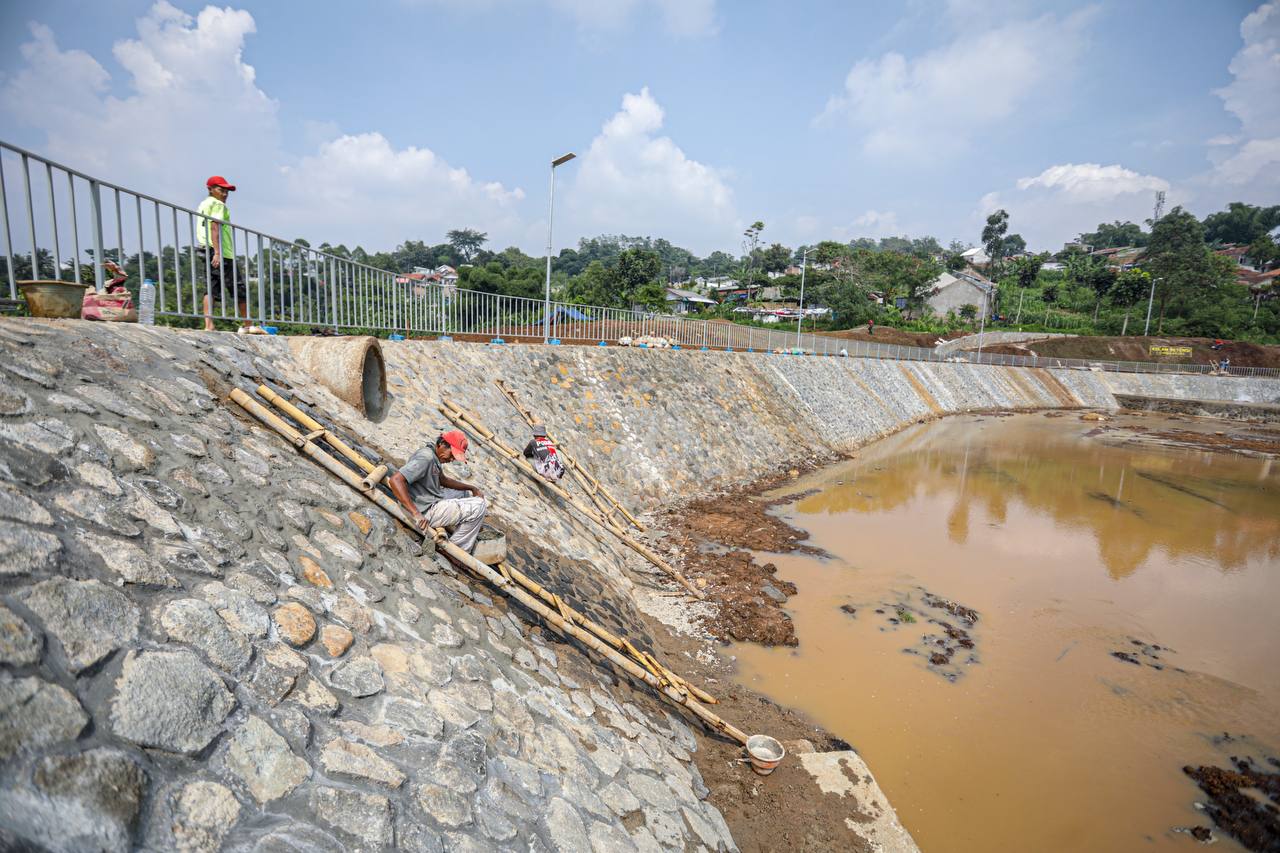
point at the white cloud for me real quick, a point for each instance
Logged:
(1253, 97)
(1064, 200)
(634, 181)
(680, 17)
(876, 223)
(194, 109)
(358, 189)
(942, 99)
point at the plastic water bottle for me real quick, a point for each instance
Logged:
(147, 303)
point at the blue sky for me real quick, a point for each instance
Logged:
(379, 122)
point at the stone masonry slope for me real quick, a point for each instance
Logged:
(207, 643)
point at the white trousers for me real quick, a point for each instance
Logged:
(463, 516)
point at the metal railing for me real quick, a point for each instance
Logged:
(67, 215)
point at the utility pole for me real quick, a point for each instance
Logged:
(804, 262)
(1150, 299)
(551, 215)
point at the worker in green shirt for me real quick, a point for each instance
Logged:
(218, 250)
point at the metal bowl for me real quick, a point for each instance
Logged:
(54, 298)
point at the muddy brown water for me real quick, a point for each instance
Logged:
(1071, 543)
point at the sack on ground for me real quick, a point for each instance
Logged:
(114, 307)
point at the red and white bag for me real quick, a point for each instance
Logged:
(114, 307)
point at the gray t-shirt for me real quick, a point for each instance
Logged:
(422, 473)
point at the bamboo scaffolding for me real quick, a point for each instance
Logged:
(461, 418)
(306, 444)
(379, 473)
(604, 501)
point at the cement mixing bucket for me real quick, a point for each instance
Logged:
(765, 753)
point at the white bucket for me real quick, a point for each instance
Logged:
(765, 753)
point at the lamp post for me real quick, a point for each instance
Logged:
(804, 262)
(551, 215)
(1150, 299)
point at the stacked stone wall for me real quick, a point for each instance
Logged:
(207, 642)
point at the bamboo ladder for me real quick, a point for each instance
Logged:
(606, 503)
(560, 616)
(460, 417)
(374, 477)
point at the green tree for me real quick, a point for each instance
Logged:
(1014, 245)
(466, 242)
(750, 243)
(993, 235)
(1240, 223)
(1115, 235)
(1049, 293)
(1264, 252)
(1028, 270)
(1092, 272)
(1130, 288)
(955, 262)
(968, 311)
(776, 258)
(1182, 265)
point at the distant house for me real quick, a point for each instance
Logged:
(952, 291)
(1121, 258)
(686, 301)
(976, 257)
(447, 275)
(1077, 246)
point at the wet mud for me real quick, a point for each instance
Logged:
(940, 629)
(716, 538)
(1242, 800)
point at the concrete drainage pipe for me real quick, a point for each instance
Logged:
(351, 368)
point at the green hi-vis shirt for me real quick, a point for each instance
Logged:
(209, 209)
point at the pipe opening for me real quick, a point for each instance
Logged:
(352, 368)
(373, 384)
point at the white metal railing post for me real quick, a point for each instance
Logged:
(53, 222)
(8, 239)
(95, 213)
(31, 216)
(262, 285)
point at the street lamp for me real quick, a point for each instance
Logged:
(804, 262)
(1150, 299)
(551, 215)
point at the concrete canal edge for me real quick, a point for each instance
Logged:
(206, 643)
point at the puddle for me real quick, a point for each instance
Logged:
(1124, 602)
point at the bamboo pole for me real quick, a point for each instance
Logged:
(315, 426)
(463, 419)
(604, 634)
(600, 496)
(461, 557)
(376, 477)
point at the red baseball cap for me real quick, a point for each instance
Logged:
(219, 181)
(457, 443)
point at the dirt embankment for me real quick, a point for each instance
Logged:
(890, 335)
(1131, 348)
(716, 537)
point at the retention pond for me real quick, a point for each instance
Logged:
(1028, 625)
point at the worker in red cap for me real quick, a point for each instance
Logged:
(218, 255)
(420, 485)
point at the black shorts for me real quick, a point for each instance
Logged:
(231, 280)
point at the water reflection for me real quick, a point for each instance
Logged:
(1135, 503)
(1072, 546)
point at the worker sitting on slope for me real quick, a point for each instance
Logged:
(546, 459)
(420, 483)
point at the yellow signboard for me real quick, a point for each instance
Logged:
(1161, 350)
